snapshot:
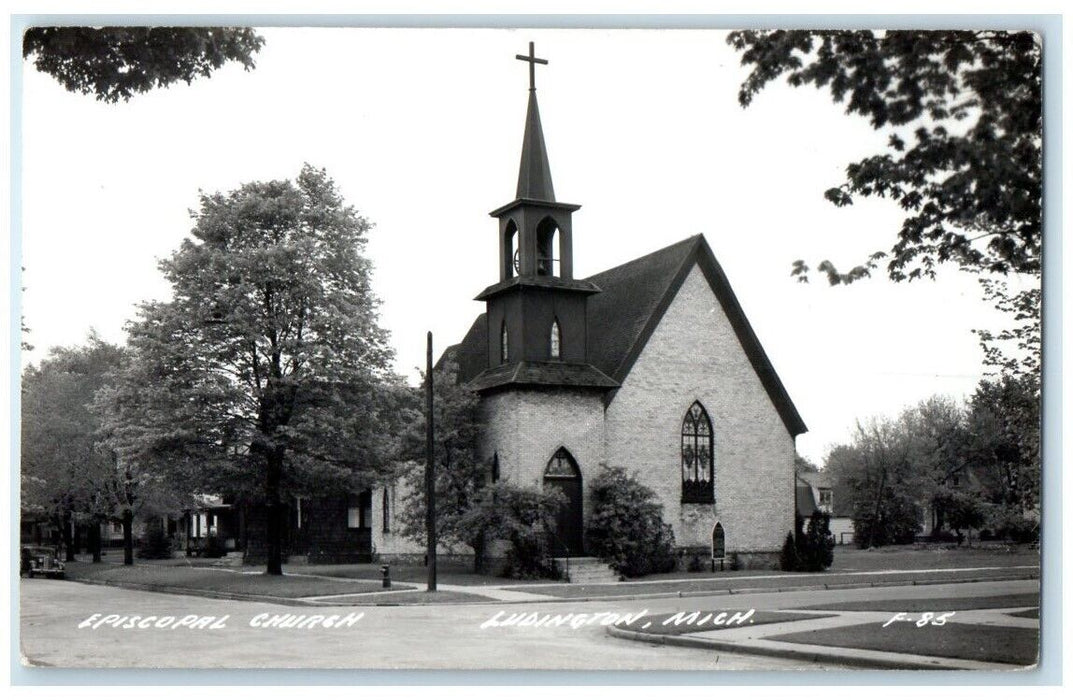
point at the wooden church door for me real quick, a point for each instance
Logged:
(562, 473)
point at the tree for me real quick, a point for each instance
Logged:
(267, 373)
(626, 527)
(804, 465)
(114, 63)
(935, 432)
(460, 473)
(1003, 441)
(66, 477)
(1014, 351)
(964, 157)
(882, 485)
(140, 485)
(964, 510)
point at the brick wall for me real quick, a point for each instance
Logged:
(526, 427)
(694, 355)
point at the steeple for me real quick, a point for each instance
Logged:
(534, 229)
(536, 312)
(534, 174)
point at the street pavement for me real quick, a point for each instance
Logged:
(400, 637)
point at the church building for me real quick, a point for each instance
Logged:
(651, 366)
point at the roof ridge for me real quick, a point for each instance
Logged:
(695, 237)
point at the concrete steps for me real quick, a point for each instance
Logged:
(587, 570)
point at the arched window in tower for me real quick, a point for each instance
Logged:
(510, 250)
(548, 248)
(556, 341)
(698, 466)
(504, 345)
(495, 467)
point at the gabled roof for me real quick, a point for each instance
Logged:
(623, 316)
(819, 480)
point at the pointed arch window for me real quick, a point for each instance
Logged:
(495, 467)
(698, 466)
(549, 245)
(562, 465)
(556, 341)
(387, 510)
(504, 345)
(719, 542)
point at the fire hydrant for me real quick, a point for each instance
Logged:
(385, 574)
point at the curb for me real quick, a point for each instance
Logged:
(299, 602)
(865, 659)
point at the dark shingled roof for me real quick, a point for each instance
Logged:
(623, 316)
(575, 374)
(806, 504)
(618, 316)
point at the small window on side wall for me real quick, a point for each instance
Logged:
(504, 344)
(556, 341)
(359, 510)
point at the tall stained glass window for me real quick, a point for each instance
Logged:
(698, 466)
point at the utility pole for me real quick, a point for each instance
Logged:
(430, 472)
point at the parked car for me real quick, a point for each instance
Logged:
(41, 560)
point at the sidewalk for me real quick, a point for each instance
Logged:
(863, 638)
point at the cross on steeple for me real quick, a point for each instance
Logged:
(532, 60)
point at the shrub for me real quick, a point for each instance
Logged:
(626, 527)
(156, 544)
(815, 551)
(788, 558)
(521, 516)
(1009, 523)
(214, 547)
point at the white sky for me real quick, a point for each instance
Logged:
(421, 130)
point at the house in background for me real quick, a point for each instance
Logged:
(815, 492)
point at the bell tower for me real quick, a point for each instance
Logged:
(536, 313)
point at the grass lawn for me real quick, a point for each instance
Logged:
(1009, 645)
(740, 580)
(654, 624)
(217, 580)
(849, 558)
(1020, 600)
(448, 573)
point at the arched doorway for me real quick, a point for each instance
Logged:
(562, 473)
